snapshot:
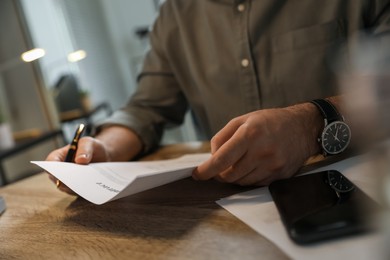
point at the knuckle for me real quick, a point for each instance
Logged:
(235, 120)
(228, 177)
(250, 131)
(220, 163)
(239, 169)
(277, 165)
(214, 140)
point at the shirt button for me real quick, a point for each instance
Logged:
(245, 63)
(241, 7)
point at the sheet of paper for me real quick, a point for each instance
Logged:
(257, 209)
(103, 182)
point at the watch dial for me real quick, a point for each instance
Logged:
(336, 137)
(338, 182)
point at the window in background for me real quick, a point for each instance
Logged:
(106, 31)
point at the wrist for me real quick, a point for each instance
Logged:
(315, 126)
(336, 134)
(310, 123)
(119, 143)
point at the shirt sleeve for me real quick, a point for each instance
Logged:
(158, 101)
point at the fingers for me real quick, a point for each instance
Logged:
(58, 155)
(258, 172)
(257, 177)
(243, 178)
(239, 170)
(88, 150)
(60, 185)
(252, 150)
(225, 134)
(226, 156)
(85, 150)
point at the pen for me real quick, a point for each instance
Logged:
(73, 146)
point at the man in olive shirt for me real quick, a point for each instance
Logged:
(247, 70)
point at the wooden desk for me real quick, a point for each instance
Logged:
(176, 221)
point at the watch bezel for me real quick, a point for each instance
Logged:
(332, 174)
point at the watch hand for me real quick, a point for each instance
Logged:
(335, 136)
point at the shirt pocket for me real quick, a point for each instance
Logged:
(315, 35)
(300, 64)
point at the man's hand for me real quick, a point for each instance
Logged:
(262, 146)
(89, 150)
(111, 144)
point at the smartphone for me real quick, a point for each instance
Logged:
(322, 205)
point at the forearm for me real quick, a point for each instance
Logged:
(121, 143)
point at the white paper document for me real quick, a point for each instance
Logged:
(257, 209)
(103, 182)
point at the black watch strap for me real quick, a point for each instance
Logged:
(328, 110)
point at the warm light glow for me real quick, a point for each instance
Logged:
(33, 54)
(77, 56)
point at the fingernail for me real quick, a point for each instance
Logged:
(83, 155)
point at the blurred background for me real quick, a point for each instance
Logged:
(366, 84)
(83, 62)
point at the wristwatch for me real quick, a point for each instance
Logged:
(336, 135)
(340, 184)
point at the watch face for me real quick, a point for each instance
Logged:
(339, 183)
(335, 137)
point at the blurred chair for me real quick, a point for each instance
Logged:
(25, 141)
(72, 107)
(67, 94)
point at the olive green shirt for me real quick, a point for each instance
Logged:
(225, 58)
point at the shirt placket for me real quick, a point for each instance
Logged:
(248, 81)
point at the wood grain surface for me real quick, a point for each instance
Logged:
(179, 220)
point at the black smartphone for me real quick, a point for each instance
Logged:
(322, 205)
